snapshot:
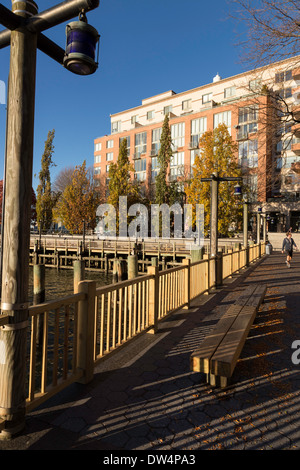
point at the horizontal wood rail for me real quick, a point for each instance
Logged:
(67, 337)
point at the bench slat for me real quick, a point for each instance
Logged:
(225, 358)
(200, 358)
(220, 350)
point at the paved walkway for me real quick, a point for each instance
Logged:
(147, 399)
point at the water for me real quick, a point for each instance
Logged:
(59, 283)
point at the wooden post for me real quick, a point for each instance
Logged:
(187, 283)
(39, 297)
(79, 270)
(196, 254)
(153, 298)
(17, 215)
(132, 266)
(86, 326)
(219, 269)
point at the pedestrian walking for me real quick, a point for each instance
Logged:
(287, 247)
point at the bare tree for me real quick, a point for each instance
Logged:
(63, 179)
(273, 31)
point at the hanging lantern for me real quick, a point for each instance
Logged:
(237, 190)
(81, 46)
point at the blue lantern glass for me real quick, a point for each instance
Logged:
(237, 190)
(81, 46)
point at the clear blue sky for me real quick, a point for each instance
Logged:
(146, 47)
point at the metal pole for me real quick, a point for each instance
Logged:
(16, 237)
(258, 228)
(214, 216)
(245, 220)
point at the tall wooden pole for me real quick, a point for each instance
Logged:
(16, 236)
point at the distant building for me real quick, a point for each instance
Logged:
(268, 139)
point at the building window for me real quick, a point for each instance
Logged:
(284, 145)
(186, 105)
(223, 118)
(150, 115)
(140, 169)
(107, 170)
(248, 118)
(251, 182)
(168, 109)
(115, 127)
(98, 147)
(255, 85)
(177, 165)
(109, 156)
(198, 127)
(109, 144)
(284, 93)
(97, 159)
(229, 92)
(154, 168)
(127, 142)
(177, 135)
(207, 98)
(140, 144)
(97, 170)
(283, 76)
(155, 144)
(248, 153)
(193, 156)
(134, 119)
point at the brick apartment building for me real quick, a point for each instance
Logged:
(267, 137)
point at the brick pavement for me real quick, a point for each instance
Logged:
(146, 398)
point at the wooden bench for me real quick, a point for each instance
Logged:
(219, 352)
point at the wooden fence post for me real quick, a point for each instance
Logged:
(187, 283)
(78, 273)
(153, 298)
(86, 327)
(39, 297)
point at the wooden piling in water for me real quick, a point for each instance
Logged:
(79, 273)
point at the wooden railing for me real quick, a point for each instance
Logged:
(53, 348)
(69, 336)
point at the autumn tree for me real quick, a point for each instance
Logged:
(78, 203)
(122, 181)
(217, 153)
(162, 190)
(45, 200)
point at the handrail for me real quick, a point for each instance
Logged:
(110, 316)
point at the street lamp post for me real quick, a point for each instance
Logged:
(215, 179)
(24, 35)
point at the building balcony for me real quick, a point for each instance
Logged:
(296, 147)
(193, 145)
(295, 167)
(240, 135)
(296, 73)
(296, 111)
(296, 130)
